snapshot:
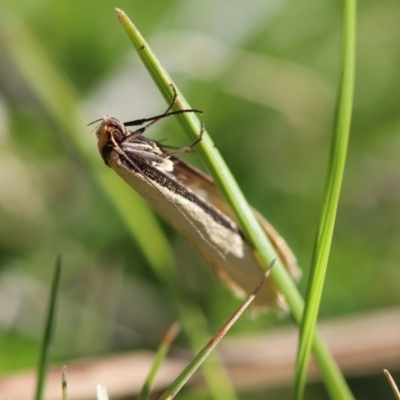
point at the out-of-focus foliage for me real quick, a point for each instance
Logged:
(265, 74)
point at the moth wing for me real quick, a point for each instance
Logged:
(204, 186)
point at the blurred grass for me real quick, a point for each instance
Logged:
(275, 145)
(37, 68)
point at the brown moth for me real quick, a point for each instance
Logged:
(190, 202)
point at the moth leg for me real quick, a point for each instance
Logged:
(151, 121)
(188, 149)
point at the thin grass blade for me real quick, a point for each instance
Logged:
(177, 385)
(340, 138)
(162, 351)
(392, 384)
(45, 353)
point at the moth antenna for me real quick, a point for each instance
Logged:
(151, 121)
(93, 122)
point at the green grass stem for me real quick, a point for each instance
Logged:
(332, 376)
(45, 353)
(340, 139)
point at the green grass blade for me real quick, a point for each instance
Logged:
(47, 341)
(224, 179)
(215, 375)
(162, 351)
(333, 185)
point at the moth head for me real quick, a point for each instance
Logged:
(110, 131)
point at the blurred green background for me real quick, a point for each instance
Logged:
(265, 75)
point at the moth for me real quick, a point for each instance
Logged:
(190, 202)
